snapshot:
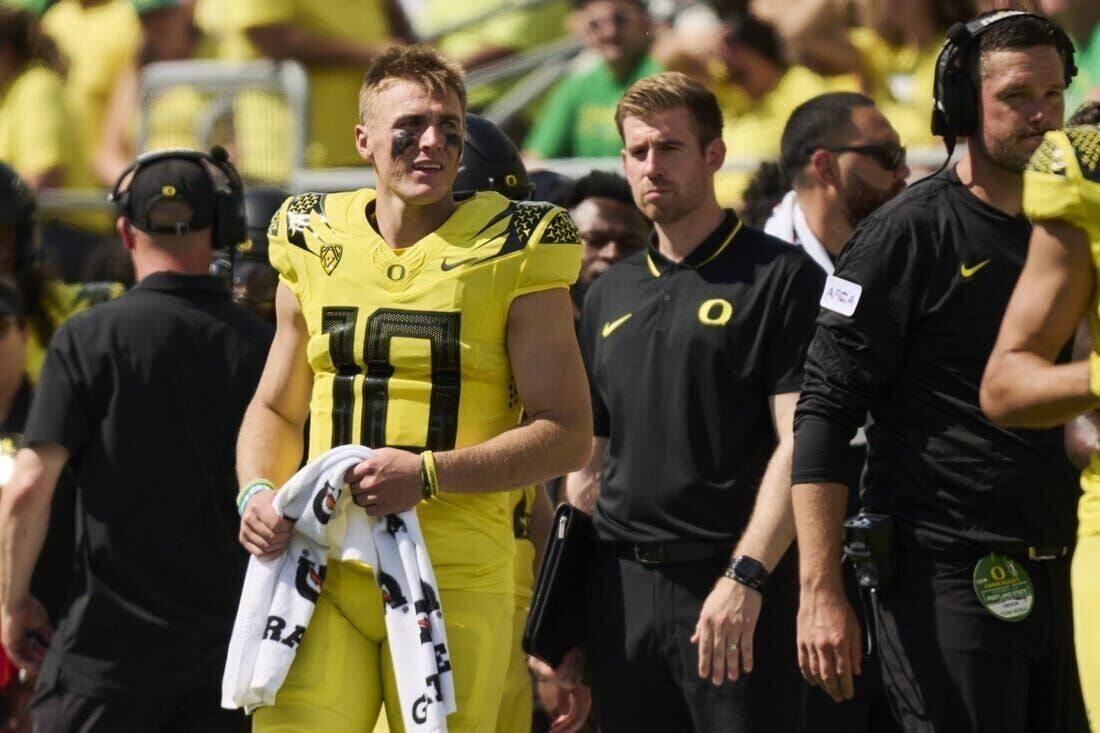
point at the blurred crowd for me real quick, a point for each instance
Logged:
(72, 114)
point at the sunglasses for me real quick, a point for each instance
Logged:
(888, 155)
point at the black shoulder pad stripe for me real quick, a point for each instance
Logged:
(525, 218)
(298, 216)
(1086, 144)
(1048, 158)
(561, 230)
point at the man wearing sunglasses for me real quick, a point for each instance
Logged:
(579, 118)
(841, 159)
(974, 522)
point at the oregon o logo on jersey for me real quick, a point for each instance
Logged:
(715, 312)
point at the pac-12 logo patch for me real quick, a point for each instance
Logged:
(331, 255)
(840, 295)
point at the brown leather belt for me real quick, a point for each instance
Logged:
(660, 553)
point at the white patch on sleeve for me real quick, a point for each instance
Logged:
(841, 296)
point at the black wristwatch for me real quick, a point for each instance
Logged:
(747, 571)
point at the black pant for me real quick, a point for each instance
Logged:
(950, 665)
(643, 668)
(187, 702)
(869, 710)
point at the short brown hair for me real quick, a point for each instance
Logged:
(671, 89)
(418, 63)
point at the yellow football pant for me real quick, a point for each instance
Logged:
(1086, 621)
(516, 703)
(343, 672)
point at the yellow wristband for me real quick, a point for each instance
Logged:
(1094, 373)
(429, 475)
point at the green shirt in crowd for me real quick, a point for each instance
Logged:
(578, 120)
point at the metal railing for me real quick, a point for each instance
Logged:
(346, 179)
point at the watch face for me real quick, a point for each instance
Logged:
(750, 570)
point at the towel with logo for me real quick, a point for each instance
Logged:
(279, 595)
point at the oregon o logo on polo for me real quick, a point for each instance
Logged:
(715, 312)
(395, 272)
(511, 180)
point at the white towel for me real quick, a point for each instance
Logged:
(279, 595)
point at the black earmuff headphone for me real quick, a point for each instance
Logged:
(955, 100)
(230, 225)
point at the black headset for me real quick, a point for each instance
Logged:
(230, 224)
(955, 100)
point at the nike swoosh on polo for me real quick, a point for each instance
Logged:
(968, 272)
(612, 325)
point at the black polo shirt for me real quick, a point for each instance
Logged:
(682, 358)
(926, 280)
(147, 393)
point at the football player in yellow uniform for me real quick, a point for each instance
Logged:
(1023, 386)
(438, 332)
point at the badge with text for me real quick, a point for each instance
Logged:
(840, 295)
(1003, 587)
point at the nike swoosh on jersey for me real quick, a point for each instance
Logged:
(968, 272)
(448, 266)
(612, 325)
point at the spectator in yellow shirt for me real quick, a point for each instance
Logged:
(335, 40)
(891, 53)
(35, 126)
(97, 39)
(168, 33)
(482, 42)
(753, 61)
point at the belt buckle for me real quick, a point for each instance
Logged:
(1033, 553)
(652, 555)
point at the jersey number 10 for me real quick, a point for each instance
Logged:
(441, 330)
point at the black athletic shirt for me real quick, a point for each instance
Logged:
(147, 393)
(682, 358)
(936, 267)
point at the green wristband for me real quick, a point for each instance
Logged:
(251, 489)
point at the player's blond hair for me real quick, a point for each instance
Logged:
(417, 63)
(669, 90)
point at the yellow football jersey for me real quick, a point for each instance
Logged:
(1062, 182)
(408, 346)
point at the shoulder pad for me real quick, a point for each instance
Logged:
(1085, 141)
(299, 213)
(1048, 157)
(527, 215)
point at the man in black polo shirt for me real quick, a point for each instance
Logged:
(143, 397)
(694, 349)
(974, 632)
